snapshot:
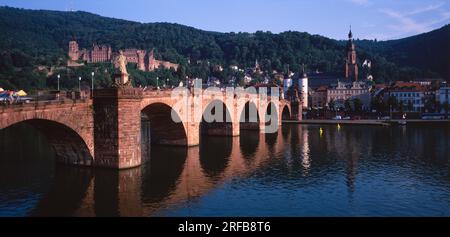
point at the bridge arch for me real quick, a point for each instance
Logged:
(216, 119)
(69, 145)
(286, 113)
(249, 117)
(163, 129)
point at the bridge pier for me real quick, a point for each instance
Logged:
(236, 128)
(192, 133)
(117, 127)
(297, 111)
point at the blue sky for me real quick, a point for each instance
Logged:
(370, 19)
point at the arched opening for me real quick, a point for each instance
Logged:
(158, 126)
(286, 114)
(29, 177)
(216, 120)
(249, 119)
(67, 145)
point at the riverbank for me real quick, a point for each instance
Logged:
(368, 122)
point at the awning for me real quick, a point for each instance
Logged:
(21, 93)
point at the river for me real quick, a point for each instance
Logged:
(303, 170)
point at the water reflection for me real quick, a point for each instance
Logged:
(26, 169)
(215, 155)
(162, 173)
(68, 189)
(301, 171)
(249, 141)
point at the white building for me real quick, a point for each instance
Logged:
(409, 94)
(303, 88)
(247, 79)
(287, 83)
(443, 95)
(234, 68)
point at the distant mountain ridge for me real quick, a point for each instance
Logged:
(44, 35)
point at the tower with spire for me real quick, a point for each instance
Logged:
(351, 66)
(303, 87)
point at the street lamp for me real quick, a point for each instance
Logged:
(92, 85)
(59, 76)
(79, 85)
(157, 83)
(167, 82)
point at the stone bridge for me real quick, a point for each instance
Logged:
(106, 131)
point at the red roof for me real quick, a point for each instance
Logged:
(322, 89)
(407, 87)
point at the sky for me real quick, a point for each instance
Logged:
(369, 19)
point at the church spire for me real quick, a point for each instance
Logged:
(350, 34)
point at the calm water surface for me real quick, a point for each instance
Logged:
(346, 171)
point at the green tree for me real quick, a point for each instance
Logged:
(358, 105)
(430, 105)
(332, 105)
(393, 103)
(446, 107)
(347, 106)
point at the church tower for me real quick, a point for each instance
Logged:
(351, 67)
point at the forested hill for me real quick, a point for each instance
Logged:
(427, 52)
(40, 37)
(430, 51)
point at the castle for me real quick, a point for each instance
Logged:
(103, 53)
(98, 54)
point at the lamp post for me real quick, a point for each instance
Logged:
(59, 76)
(167, 83)
(79, 85)
(92, 84)
(157, 83)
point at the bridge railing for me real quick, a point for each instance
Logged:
(169, 93)
(41, 103)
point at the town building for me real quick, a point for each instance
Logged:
(443, 95)
(409, 95)
(319, 97)
(279, 78)
(347, 91)
(257, 68)
(287, 84)
(218, 68)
